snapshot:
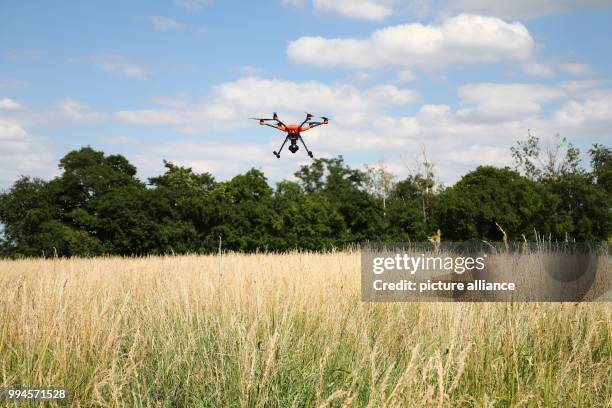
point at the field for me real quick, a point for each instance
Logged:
(284, 330)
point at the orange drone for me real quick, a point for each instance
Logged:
(293, 131)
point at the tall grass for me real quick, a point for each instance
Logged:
(284, 330)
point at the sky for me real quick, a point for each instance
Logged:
(177, 80)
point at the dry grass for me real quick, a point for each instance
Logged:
(284, 330)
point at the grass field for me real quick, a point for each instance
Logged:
(284, 330)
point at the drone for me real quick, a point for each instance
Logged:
(293, 131)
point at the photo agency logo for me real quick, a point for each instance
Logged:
(476, 272)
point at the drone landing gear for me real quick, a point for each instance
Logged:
(277, 154)
(305, 147)
(293, 147)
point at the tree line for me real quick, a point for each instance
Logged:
(98, 206)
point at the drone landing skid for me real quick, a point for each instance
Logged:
(293, 148)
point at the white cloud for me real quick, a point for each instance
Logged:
(489, 119)
(66, 112)
(574, 87)
(576, 68)
(10, 104)
(118, 140)
(21, 154)
(461, 139)
(362, 9)
(535, 68)
(406, 76)
(164, 24)
(501, 102)
(119, 64)
(231, 103)
(455, 144)
(377, 121)
(523, 8)
(592, 116)
(73, 110)
(11, 130)
(512, 101)
(192, 5)
(224, 159)
(460, 39)
(361, 77)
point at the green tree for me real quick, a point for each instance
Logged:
(488, 195)
(345, 189)
(32, 225)
(100, 195)
(304, 221)
(182, 204)
(579, 209)
(601, 162)
(247, 212)
(410, 208)
(545, 163)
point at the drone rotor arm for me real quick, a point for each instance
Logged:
(281, 128)
(308, 117)
(315, 124)
(277, 120)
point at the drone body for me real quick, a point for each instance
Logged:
(293, 131)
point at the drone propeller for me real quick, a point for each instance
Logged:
(310, 116)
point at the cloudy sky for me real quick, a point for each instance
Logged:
(177, 80)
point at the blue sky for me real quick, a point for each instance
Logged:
(177, 80)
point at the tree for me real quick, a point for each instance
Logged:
(98, 206)
(409, 209)
(578, 202)
(579, 210)
(101, 196)
(247, 213)
(379, 183)
(345, 189)
(471, 208)
(304, 221)
(32, 225)
(88, 173)
(423, 177)
(23, 208)
(601, 162)
(548, 163)
(185, 210)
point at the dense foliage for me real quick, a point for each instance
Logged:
(98, 206)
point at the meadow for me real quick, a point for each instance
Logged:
(254, 330)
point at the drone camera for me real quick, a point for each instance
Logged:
(294, 148)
